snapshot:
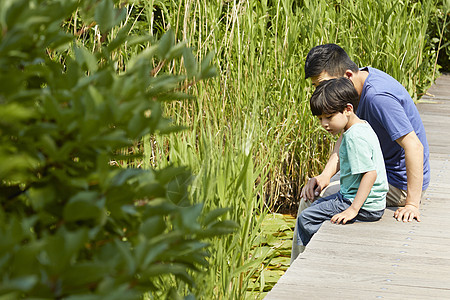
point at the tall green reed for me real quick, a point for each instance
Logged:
(392, 36)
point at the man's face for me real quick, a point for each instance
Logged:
(316, 80)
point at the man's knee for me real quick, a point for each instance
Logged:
(331, 189)
(395, 197)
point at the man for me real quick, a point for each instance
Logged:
(386, 105)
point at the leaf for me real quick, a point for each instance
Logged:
(244, 171)
(107, 17)
(126, 254)
(84, 206)
(23, 284)
(96, 95)
(176, 51)
(214, 214)
(40, 197)
(85, 273)
(207, 70)
(177, 188)
(120, 38)
(142, 58)
(165, 44)
(84, 57)
(178, 270)
(13, 112)
(74, 240)
(136, 125)
(14, 12)
(36, 20)
(153, 253)
(152, 226)
(61, 42)
(190, 63)
(190, 215)
(139, 40)
(280, 260)
(218, 228)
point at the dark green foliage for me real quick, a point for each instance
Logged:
(72, 224)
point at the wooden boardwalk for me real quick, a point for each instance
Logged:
(386, 259)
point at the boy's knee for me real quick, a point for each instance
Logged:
(303, 219)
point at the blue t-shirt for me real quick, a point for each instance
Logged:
(359, 153)
(391, 112)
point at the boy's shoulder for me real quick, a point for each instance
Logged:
(362, 133)
(359, 129)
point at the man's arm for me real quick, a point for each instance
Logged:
(316, 184)
(367, 181)
(414, 177)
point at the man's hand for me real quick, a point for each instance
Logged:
(314, 186)
(407, 213)
(345, 216)
(414, 177)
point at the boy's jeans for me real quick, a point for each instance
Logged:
(331, 189)
(311, 219)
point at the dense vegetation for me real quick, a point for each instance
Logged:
(96, 199)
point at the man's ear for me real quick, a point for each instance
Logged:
(349, 74)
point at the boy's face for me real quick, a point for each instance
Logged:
(334, 123)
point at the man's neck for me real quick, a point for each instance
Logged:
(358, 80)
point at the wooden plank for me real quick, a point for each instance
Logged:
(386, 267)
(322, 291)
(409, 240)
(350, 288)
(367, 276)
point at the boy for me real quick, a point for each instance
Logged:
(363, 180)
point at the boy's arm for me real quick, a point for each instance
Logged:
(414, 177)
(316, 184)
(367, 181)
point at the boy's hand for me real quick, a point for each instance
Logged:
(345, 216)
(313, 187)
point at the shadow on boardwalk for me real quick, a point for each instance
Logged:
(386, 259)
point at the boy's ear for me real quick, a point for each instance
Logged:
(349, 107)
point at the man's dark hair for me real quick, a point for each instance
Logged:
(332, 96)
(330, 58)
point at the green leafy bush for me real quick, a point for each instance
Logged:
(72, 224)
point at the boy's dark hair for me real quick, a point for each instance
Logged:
(330, 58)
(332, 96)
